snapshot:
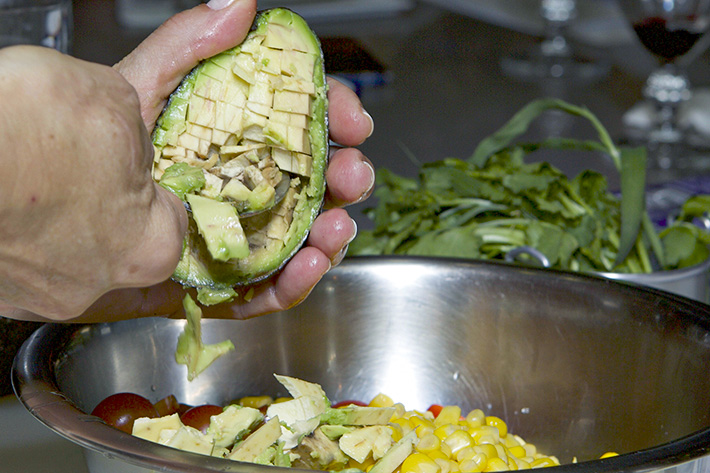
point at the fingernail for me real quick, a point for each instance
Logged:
(343, 251)
(219, 4)
(372, 122)
(367, 192)
(354, 232)
(339, 257)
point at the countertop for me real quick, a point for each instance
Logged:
(444, 92)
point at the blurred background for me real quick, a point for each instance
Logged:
(429, 71)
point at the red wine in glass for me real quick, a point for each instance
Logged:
(664, 40)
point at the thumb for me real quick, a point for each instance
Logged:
(156, 67)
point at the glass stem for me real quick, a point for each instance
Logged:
(557, 15)
(668, 88)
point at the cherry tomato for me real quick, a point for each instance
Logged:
(199, 416)
(167, 406)
(184, 408)
(347, 403)
(435, 409)
(122, 409)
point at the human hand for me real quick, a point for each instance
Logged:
(155, 68)
(76, 193)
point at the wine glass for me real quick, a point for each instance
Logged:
(39, 22)
(554, 57)
(670, 29)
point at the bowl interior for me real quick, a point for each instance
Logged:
(576, 365)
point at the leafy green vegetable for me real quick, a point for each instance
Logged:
(633, 192)
(495, 202)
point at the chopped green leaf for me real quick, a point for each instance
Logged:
(495, 202)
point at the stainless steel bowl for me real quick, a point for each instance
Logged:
(693, 282)
(578, 365)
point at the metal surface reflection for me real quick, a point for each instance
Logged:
(578, 365)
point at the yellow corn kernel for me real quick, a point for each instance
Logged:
(397, 432)
(256, 402)
(485, 434)
(496, 464)
(405, 424)
(445, 449)
(424, 415)
(487, 449)
(520, 463)
(423, 430)
(517, 451)
(437, 455)
(447, 466)
(444, 466)
(542, 461)
(458, 440)
(512, 465)
(448, 415)
(497, 422)
(530, 449)
(421, 425)
(465, 454)
(399, 409)
(429, 443)
(446, 430)
(419, 463)
(609, 454)
(487, 439)
(511, 440)
(364, 466)
(381, 400)
(475, 418)
(502, 453)
(476, 463)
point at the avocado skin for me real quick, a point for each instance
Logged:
(197, 267)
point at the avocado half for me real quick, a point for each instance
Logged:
(240, 124)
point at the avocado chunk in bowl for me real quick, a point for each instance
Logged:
(243, 141)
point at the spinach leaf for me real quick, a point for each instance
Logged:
(495, 202)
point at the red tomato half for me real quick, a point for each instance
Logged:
(347, 403)
(122, 409)
(167, 406)
(199, 416)
(435, 409)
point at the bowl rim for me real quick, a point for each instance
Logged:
(36, 388)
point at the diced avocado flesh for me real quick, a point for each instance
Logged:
(240, 123)
(191, 351)
(395, 455)
(257, 442)
(182, 179)
(218, 224)
(357, 415)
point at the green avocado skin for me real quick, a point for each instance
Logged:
(197, 268)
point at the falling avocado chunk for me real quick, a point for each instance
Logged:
(191, 351)
(243, 141)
